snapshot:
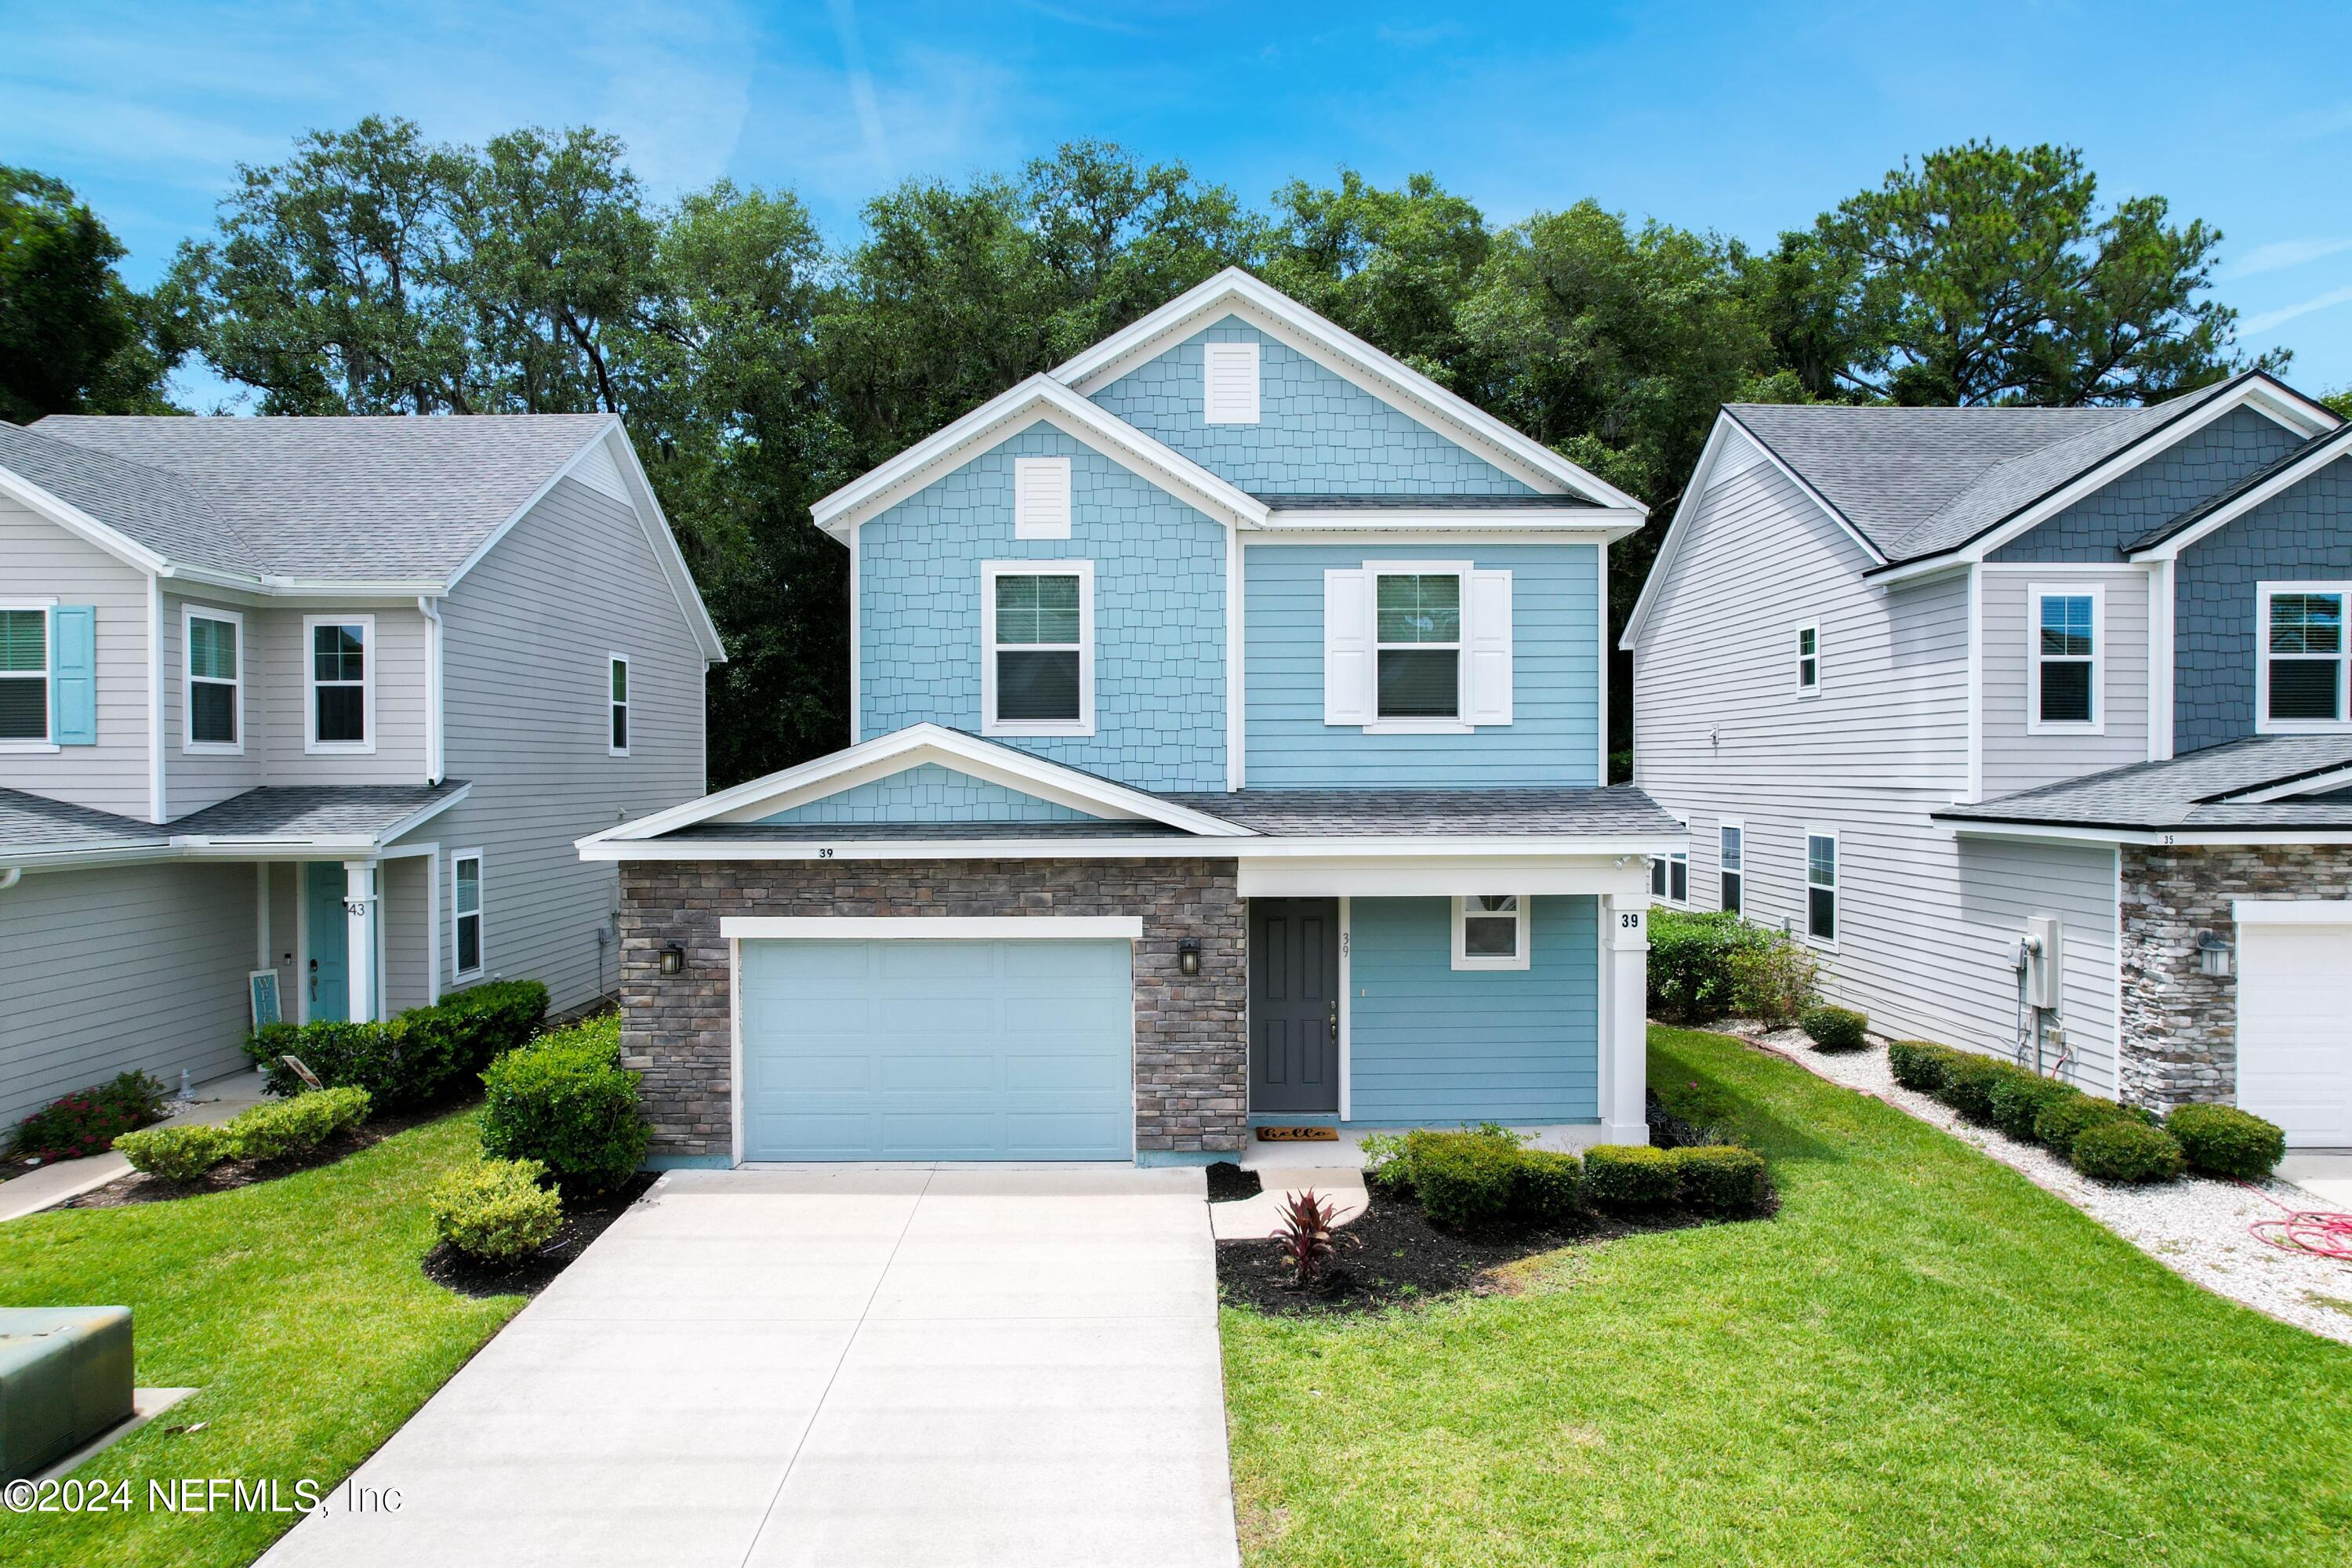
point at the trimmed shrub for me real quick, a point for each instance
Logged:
(412, 1059)
(2223, 1140)
(1462, 1178)
(2019, 1100)
(2066, 1118)
(1547, 1188)
(2125, 1149)
(1720, 1178)
(496, 1210)
(1968, 1082)
(1773, 981)
(1628, 1176)
(1834, 1028)
(1384, 1166)
(178, 1154)
(1690, 954)
(89, 1120)
(298, 1125)
(566, 1101)
(1919, 1064)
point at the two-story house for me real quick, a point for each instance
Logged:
(2034, 723)
(321, 699)
(1229, 749)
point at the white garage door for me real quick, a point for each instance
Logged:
(2294, 1039)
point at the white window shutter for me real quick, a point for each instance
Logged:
(1041, 498)
(1490, 648)
(1229, 393)
(1348, 646)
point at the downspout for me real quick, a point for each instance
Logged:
(9, 876)
(430, 608)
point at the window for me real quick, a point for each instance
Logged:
(342, 683)
(1670, 877)
(1041, 498)
(2062, 663)
(214, 643)
(620, 694)
(1419, 647)
(1229, 389)
(1822, 887)
(1731, 867)
(465, 929)
(2300, 656)
(1808, 660)
(1038, 625)
(1490, 931)
(1418, 637)
(25, 674)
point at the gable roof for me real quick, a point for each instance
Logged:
(2289, 467)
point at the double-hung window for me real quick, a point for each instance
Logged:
(466, 910)
(1808, 660)
(1490, 931)
(1418, 628)
(213, 640)
(2300, 650)
(1038, 664)
(2062, 663)
(1822, 887)
(25, 674)
(340, 656)
(1731, 867)
(1670, 877)
(1417, 647)
(618, 744)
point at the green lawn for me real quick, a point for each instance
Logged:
(297, 1307)
(1923, 1358)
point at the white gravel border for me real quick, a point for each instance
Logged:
(2196, 1226)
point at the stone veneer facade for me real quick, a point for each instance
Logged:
(2179, 1023)
(1191, 1064)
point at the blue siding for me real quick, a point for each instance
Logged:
(1318, 432)
(2305, 532)
(1159, 591)
(1429, 1043)
(929, 792)
(1554, 735)
(2189, 472)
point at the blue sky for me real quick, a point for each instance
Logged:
(1742, 117)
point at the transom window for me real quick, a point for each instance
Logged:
(215, 694)
(1418, 639)
(1822, 887)
(466, 908)
(2063, 671)
(341, 682)
(2301, 653)
(1490, 931)
(1809, 659)
(1038, 677)
(1670, 877)
(619, 744)
(24, 675)
(1732, 866)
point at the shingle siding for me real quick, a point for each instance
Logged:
(2183, 475)
(928, 793)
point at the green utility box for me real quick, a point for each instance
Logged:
(65, 1377)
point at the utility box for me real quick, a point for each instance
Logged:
(65, 1377)
(2045, 961)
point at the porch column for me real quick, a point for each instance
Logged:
(359, 930)
(1625, 1017)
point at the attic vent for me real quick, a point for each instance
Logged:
(1229, 370)
(599, 472)
(1041, 498)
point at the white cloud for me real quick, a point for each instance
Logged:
(861, 83)
(2253, 326)
(2282, 254)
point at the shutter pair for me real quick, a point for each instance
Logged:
(73, 675)
(1350, 656)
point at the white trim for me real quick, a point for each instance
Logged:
(1399, 861)
(2264, 592)
(158, 784)
(735, 1050)
(990, 571)
(1976, 685)
(2286, 478)
(1665, 861)
(1038, 398)
(1459, 724)
(301, 942)
(856, 631)
(48, 740)
(435, 717)
(2035, 724)
(2115, 965)
(1521, 913)
(2161, 673)
(2290, 911)
(1836, 888)
(76, 522)
(1237, 293)
(1053, 520)
(1813, 688)
(190, 613)
(1366, 528)
(1602, 666)
(311, 744)
(623, 704)
(458, 974)
(1236, 619)
(2289, 789)
(2161, 838)
(1346, 1008)
(932, 928)
(1739, 826)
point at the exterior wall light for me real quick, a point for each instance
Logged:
(1188, 957)
(2213, 953)
(673, 959)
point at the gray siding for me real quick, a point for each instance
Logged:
(527, 635)
(126, 967)
(406, 911)
(192, 781)
(399, 658)
(40, 560)
(2305, 532)
(1720, 732)
(2189, 471)
(2018, 757)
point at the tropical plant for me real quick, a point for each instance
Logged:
(1307, 1230)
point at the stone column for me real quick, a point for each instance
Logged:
(1625, 1017)
(359, 930)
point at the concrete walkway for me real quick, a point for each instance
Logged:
(212, 1104)
(844, 1366)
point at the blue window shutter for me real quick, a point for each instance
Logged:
(73, 675)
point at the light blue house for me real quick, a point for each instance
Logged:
(1229, 749)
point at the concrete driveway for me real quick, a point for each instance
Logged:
(837, 1367)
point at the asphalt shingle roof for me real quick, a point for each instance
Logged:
(863, 832)
(314, 811)
(1619, 811)
(344, 500)
(2196, 791)
(37, 824)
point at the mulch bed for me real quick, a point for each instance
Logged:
(141, 1188)
(1229, 1183)
(584, 1222)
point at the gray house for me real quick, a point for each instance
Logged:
(330, 698)
(2034, 723)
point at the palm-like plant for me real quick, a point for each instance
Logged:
(1308, 1237)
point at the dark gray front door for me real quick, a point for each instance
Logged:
(1295, 1004)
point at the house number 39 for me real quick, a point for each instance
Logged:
(1630, 920)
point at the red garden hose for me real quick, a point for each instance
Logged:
(2315, 1231)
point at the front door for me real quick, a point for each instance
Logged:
(329, 937)
(1294, 946)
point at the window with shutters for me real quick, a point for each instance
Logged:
(1041, 498)
(1417, 646)
(2301, 681)
(25, 673)
(340, 667)
(2065, 632)
(1037, 636)
(212, 643)
(1229, 394)
(1417, 626)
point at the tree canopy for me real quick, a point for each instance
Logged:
(73, 337)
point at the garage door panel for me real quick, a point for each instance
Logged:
(938, 1073)
(1037, 1137)
(931, 964)
(2294, 1048)
(812, 1074)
